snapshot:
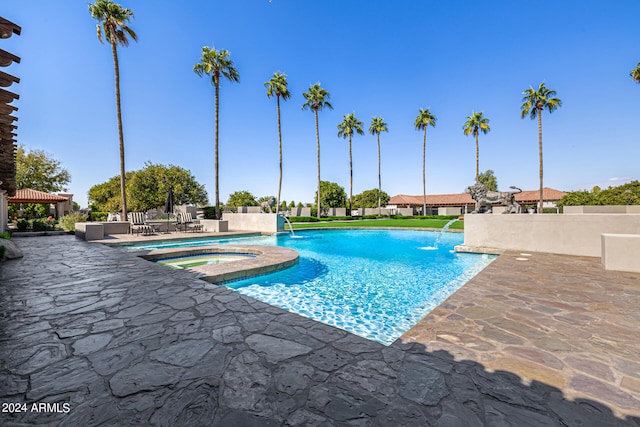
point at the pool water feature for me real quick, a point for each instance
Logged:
(202, 259)
(373, 283)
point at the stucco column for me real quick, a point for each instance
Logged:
(4, 210)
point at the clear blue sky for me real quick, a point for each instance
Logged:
(375, 58)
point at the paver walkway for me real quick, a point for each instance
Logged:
(109, 339)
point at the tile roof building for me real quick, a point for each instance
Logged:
(530, 197)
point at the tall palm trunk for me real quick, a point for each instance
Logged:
(540, 153)
(280, 147)
(350, 177)
(424, 174)
(379, 179)
(116, 69)
(477, 160)
(318, 141)
(217, 86)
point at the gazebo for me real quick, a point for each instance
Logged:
(63, 203)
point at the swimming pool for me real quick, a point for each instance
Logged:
(373, 283)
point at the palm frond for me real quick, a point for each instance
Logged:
(377, 126)
(316, 98)
(635, 73)
(537, 100)
(425, 118)
(113, 19)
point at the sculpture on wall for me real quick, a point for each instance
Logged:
(268, 204)
(484, 197)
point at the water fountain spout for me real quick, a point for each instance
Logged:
(290, 226)
(444, 229)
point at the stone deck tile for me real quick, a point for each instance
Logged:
(561, 320)
(106, 338)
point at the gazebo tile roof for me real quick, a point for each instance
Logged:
(27, 195)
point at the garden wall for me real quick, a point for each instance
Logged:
(618, 209)
(560, 234)
(262, 222)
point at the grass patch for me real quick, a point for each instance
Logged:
(406, 223)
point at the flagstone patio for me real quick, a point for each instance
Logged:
(110, 339)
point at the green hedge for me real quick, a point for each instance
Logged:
(303, 219)
(209, 212)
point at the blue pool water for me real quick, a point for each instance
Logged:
(373, 283)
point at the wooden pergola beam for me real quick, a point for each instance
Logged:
(7, 108)
(7, 80)
(8, 28)
(8, 119)
(7, 96)
(7, 58)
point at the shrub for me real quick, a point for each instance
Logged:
(209, 212)
(68, 222)
(98, 216)
(22, 224)
(42, 225)
(5, 236)
(303, 219)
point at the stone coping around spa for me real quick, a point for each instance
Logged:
(268, 260)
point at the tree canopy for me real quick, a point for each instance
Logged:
(332, 195)
(241, 198)
(148, 189)
(626, 194)
(38, 170)
(489, 180)
(369, 199)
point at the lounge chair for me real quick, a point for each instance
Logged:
(137, 224)
(186, 222)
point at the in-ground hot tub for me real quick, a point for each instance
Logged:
(238, 261)
(195, 260)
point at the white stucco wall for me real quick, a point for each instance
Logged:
(262, 222)
(621, 252)
(561, 234)
(613, 209)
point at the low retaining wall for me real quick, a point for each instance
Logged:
(97, 230)
(621, 252)
(262, 222)
(214, 225)
(560, 234)
(613, 209)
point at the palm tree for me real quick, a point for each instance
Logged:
(635, 74)
(475, 124)
(533, 102)
(349, 125)
(424, 120)
(216, 63)
(377, 126)
(278, 86)
(317, 100)
(112, 20)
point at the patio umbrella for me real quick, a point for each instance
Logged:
(168, 207)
